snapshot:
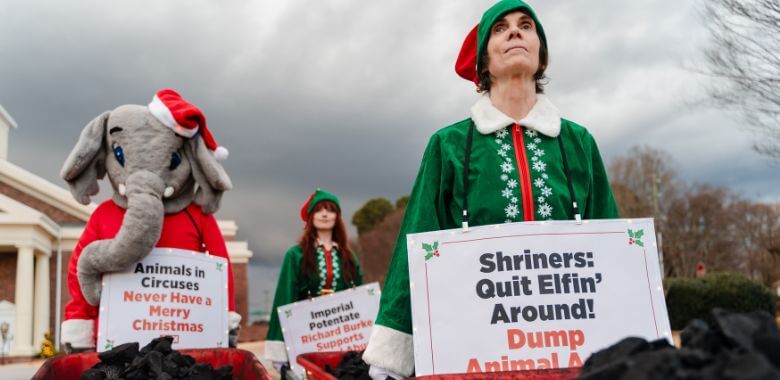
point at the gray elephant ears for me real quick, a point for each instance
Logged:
(86, 163)
(210, 176)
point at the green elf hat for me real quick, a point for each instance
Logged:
(316, 197)
(469, 60)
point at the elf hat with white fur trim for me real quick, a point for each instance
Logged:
(184, 118)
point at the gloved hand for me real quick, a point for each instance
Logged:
(283, 368)
(233, 337)
(378, 373)
(76, 350)
(278, 366)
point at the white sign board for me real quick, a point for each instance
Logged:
(340, 321)
(170, 292)
(532, 295)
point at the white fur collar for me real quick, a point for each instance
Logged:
(544, 117)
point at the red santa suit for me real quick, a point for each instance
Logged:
(178, 231)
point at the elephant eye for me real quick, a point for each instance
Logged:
(175, 160)
(119, 154)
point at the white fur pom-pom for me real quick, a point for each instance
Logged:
(221, 153)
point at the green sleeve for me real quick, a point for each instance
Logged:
(359, 271)
(600, 203)
(422, 215)
(286, 291)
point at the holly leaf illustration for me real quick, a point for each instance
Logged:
(435, 245)
(639, 243)
(630, 233)
(427, 247)
(639, 234)
(428, 256)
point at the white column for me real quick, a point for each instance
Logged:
(41, 309)
(24, 302)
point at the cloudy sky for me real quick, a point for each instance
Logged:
(344, 94)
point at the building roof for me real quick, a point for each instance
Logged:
(43, 190)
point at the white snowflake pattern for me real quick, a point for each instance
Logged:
(538, 140)
(512, 183)
(511, 211)
(530, 132)
(502, 133)
(539, 152)
(545, 210)
(539, 166)
(539, 182)
(541, 199)
(506, 193)
(546, 191)
(506, 147)
(534, 158)
(545, 176)
(514, 199)
(504, 177)
(531, 146)
(506, 167)
(499, 141)
(502, 153)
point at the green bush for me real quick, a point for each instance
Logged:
(371, 213)
(689, 298)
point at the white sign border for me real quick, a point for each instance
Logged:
(294, 366)
(663, 331)
(170, 252)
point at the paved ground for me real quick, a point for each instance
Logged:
(24, 371)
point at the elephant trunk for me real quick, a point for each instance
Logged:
(140, 231)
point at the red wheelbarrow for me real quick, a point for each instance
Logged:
(314, 363)
(70, 367)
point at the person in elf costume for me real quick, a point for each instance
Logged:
(321, 263)
(515, 159)
(161, 161)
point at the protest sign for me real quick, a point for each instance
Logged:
(170, 292)
(340, 321)
(532, 295)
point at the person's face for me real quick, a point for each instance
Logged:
(324, 219)
(513, 47)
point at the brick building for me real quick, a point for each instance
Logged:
(40, 224)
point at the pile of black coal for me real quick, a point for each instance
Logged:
(351, 367)
(734, 346)
(157, 360)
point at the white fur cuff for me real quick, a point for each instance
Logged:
(390, 349)
(234, 321)
(275, 351)
(78, 332)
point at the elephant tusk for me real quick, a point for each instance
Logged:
(122, 189)
(168, 192)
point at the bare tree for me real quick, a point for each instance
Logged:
(744, 57)
(758, 226)
(643, 181)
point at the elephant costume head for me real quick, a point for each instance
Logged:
(159, 159)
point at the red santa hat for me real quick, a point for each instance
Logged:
(184, 118)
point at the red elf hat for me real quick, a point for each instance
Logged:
(184, 118)
(466, 65)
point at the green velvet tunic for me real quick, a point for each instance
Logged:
(292, 286)
(495, 192)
